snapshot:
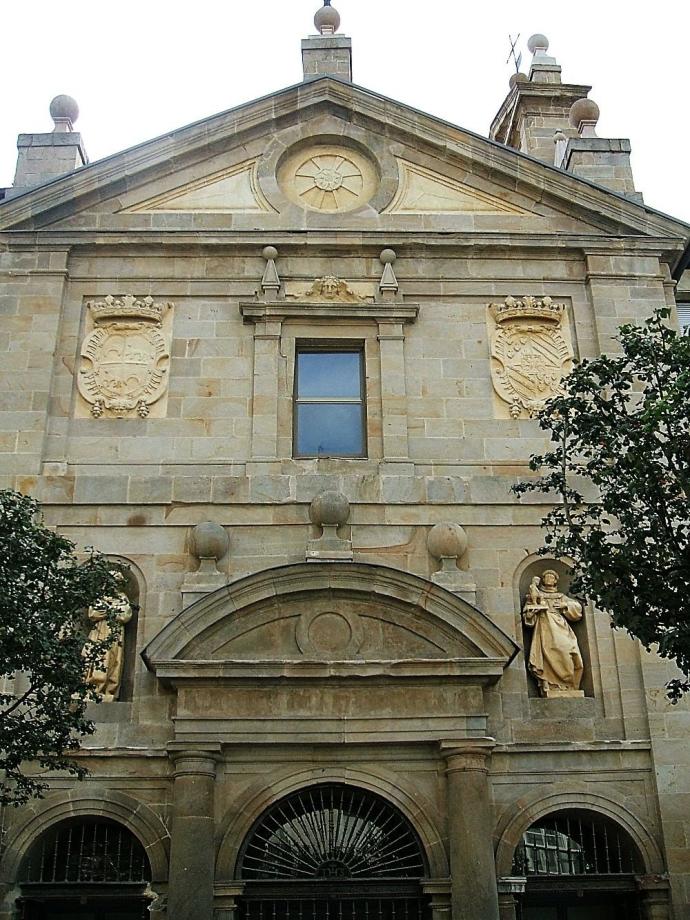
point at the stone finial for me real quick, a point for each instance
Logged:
(64, 111)
(538, 43)
(270, 283)
(327, 54)
(448, 542)
(517, 78)
(561, 142)
(583, 116)
(209, 543)
(327, 19)
(329, 510)
(544, 68)
(389, 283)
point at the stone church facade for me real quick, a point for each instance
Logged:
(284, 363)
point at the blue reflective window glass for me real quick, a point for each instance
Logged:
(329, 430)
(326, 374)
(329, 404)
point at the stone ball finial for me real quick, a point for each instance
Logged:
(517, 78)
(538, 42)
(329, 508)
(327, 19)
(64, 107)
(269, 253)
(388, 256)
(583, 110)
(447, 541)
(209, 541)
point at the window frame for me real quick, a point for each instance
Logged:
(331, 346)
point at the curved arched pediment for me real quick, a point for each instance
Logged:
(329, 652)
(351, 615)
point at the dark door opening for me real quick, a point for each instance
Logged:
(84, 908)
(583, 906)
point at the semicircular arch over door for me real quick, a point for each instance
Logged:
(578, 864)
(332, 852)
(85, 868)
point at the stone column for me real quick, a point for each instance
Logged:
(439, 896)
(393, 392)
(226, 901)
(507, 889)
(192, 852)
(265, 390)
(474, 894)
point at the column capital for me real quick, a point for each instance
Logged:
(191, 762)
(467, 755)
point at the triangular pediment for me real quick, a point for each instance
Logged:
(249, 169)
(231, 190)
(423, 191)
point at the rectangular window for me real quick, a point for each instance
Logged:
(329, 413)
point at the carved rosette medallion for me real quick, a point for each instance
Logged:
(328, 178)
(530, 352)
(125, 358)
(329, 182)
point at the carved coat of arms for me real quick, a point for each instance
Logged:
(530, 354)
(125, 359)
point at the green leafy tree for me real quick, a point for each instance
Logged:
(620, 435)
(45, 590)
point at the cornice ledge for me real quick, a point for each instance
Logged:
(256, 312)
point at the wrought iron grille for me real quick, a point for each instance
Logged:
(576, 843)
(334, 909)
(332, 832)
(83, 851)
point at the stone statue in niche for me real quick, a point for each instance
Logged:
(106, 676)
(554, 656)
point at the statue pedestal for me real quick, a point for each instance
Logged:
(562, 694)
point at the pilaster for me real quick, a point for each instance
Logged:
(391, 337)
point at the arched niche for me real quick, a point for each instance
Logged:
(135, 589)
(535, 566)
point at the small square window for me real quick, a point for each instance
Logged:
(329, 411)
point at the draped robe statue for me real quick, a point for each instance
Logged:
(554, 657)
(106, 675)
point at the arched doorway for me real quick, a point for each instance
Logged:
(85, 869)
(578, 864)
(332, 852)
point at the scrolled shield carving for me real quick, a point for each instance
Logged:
(125, 358)
(530, 352)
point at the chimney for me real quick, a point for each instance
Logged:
(327, 54)
(537, 106)
(605, 161)
(43, 157)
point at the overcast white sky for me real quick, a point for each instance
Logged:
(139, 68)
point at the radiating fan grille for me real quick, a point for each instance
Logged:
(332, 832)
